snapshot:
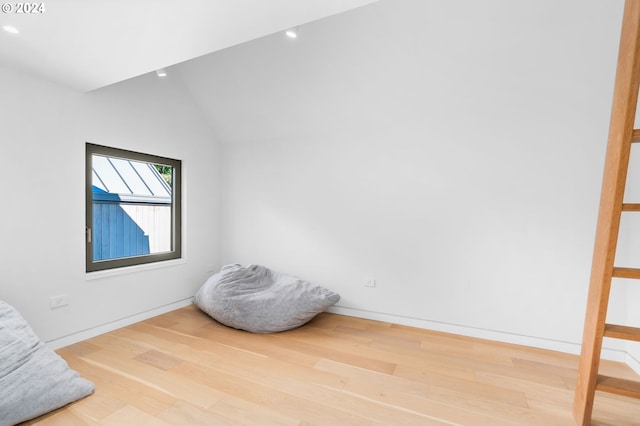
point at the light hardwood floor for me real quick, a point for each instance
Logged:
(182, 368)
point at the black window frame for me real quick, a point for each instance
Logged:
(176, 209)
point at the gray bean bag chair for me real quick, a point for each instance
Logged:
(33, 379)
(259, 300)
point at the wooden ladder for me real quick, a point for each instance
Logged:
(621, 136)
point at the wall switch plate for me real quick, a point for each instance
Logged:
(58, 301)
(371, 282)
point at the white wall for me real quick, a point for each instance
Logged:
(453, 151)
(44, 130)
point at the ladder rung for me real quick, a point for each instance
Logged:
(636, 135)
(626, 273)
(618, 386)
(626, 207)
(622, 332)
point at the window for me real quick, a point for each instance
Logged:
(133, 208)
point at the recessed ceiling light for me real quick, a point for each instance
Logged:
(161, 72)
(292, 32)
(10, 29)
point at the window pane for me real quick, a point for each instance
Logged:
(108, 175)
(152, 178)
(134, 182)
(132, 210)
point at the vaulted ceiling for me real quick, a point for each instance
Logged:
(88, 44)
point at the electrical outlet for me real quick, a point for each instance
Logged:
(58, 301)
(370, 282)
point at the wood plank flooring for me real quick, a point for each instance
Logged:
(183, 368)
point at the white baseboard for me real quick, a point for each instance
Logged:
(114, 325)
(517, 339)
(499, 336)
(632, 362)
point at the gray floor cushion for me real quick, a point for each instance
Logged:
(33, 379)
(257, 299)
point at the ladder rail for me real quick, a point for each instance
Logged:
(621, 133)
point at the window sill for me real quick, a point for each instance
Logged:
(133, 269)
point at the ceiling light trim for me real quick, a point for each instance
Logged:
(11, 29)
(292, 33)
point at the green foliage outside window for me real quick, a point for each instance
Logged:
(166, 172)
